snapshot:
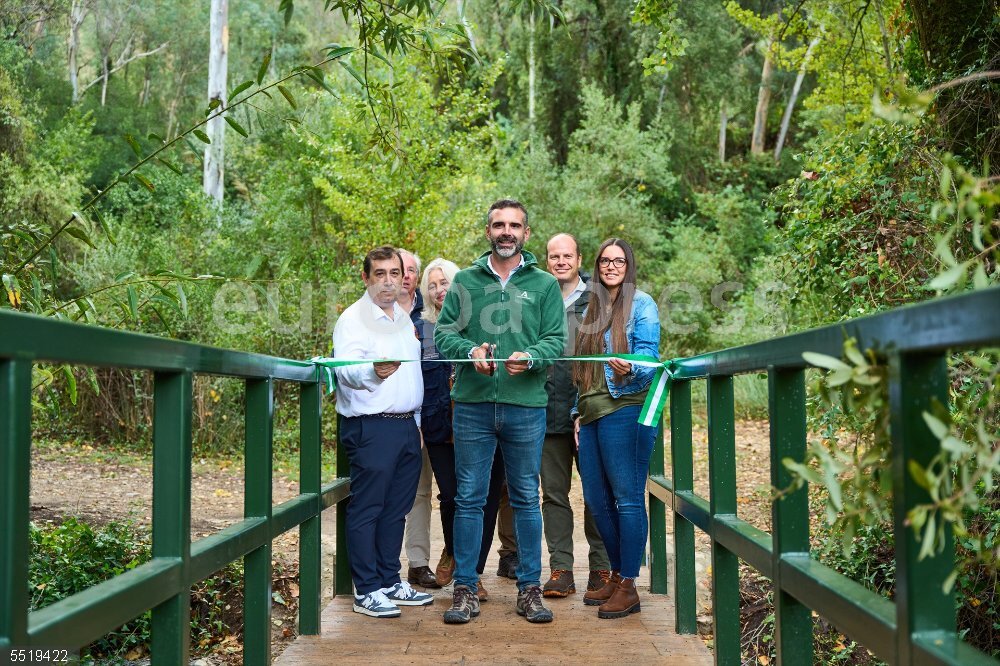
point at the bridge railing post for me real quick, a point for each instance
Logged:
(789, 514)
(171, 620)
(722, 502)
(342, 567)
(257, 504)
(15, 476)
(682, 476)
(916, 382)
(310, 482)
(657, 523)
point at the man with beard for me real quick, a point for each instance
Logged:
(502, 311)
(379, 408)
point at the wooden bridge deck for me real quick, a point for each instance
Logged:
(499, 635)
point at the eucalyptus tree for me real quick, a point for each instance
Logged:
(218, 69)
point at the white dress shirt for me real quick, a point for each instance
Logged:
(365, 331)
(574, 295)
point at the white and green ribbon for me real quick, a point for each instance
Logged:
(652, 409)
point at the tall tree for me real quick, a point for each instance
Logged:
(218, 62)
(763, 100)
(77, 13)
(796, 89)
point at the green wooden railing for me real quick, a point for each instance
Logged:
(920, 626)
(163, 584)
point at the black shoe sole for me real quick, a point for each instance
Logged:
(459, 620)
(534, 620)
(430, 586)
(609, 615)
(593, 602)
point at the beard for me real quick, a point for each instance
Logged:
(504, 252)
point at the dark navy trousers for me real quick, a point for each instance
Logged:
(385, 469)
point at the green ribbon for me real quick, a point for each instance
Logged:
(652, 409)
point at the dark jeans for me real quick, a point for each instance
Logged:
(385, 469)
(614, 461)
(442, 457)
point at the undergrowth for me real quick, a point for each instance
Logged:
(70, 556)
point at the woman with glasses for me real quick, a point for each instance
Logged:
(614, 447)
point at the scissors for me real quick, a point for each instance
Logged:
(490, 354)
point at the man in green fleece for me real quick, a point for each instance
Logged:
(506, 314)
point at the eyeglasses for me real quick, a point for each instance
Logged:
(617, 262)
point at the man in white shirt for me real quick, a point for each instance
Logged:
(379, 408)
(417, 537)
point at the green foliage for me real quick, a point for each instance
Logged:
(71, 556)
(662, 14)
(858, 225)
(853, 454)
(614, 171)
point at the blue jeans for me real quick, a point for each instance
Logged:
(519, 431)
(614, 461)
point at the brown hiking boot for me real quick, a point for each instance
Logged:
(622, 603)
(445, 571)
(598, 597)
(560, 584)
(481, 592)
(597, 579)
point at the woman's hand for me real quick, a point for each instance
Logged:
(619, 366)
(576, 432)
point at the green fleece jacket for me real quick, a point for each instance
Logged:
(527, 316)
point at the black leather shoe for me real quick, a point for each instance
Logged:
(422, 576)
(508, 566)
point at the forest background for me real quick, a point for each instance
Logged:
(777, 166)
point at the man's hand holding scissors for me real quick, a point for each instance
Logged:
(484, 360)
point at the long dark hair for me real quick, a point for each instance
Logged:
(603, 313)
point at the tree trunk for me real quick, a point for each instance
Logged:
(723, 124)
(763, 102)
(663, 94)
(77, 13)
(105, 66)
(217, 70)
(147, 85)
(787, 118)
(531, 77)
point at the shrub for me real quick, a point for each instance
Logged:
(71, 556)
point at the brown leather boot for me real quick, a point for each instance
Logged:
(598, 597)
(623, 602)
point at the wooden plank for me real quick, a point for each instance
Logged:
(499, 635)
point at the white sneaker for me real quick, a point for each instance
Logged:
(403, 595)
(375, 604)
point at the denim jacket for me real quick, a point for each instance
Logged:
(643, 334)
